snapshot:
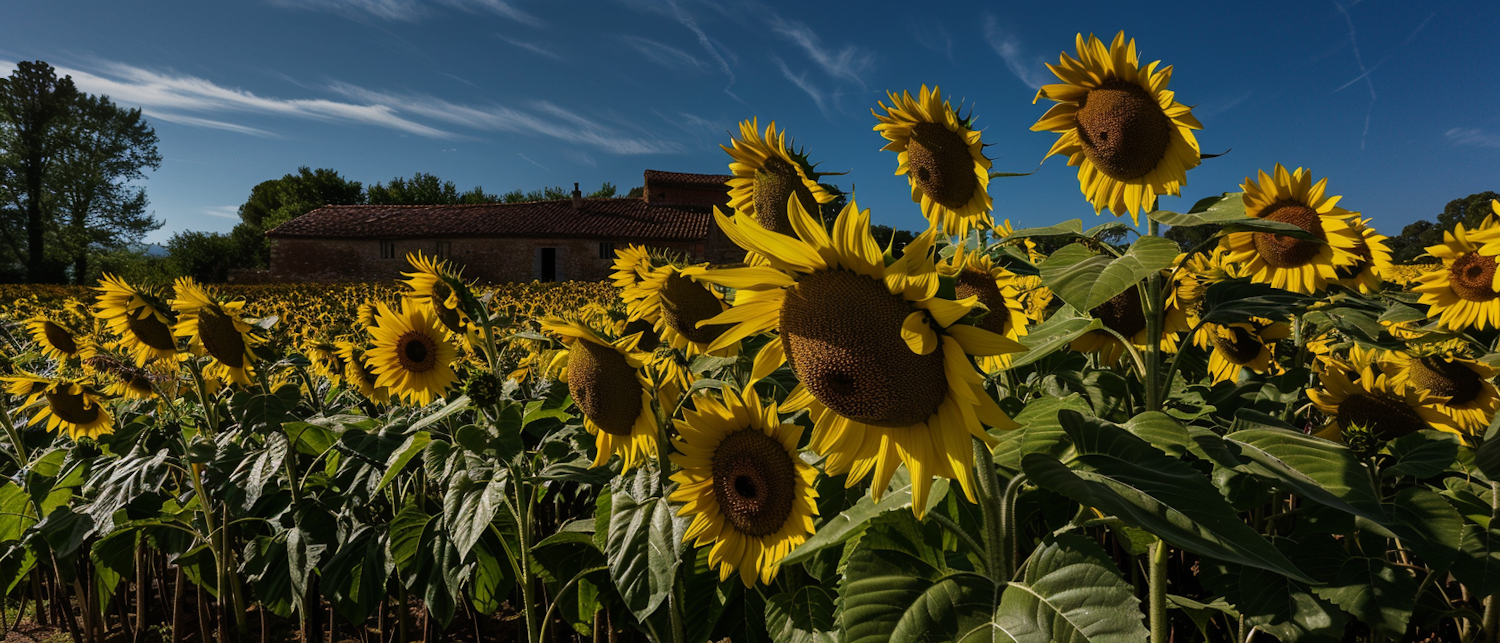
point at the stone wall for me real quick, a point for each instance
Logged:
(485, 260)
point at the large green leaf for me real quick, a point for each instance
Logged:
(1229, 302)
(403, 455)
(114, 558)
(644, 547)
(1422, 455)
(1325, 472)
(1071, 593)
(1376, 592)
(1070, 228)
(1280, 606)
(468, 508)
(897, 586)
(267, 570)
(802, 616)
(493, 577)
(852, 521)
(1230, 206)
(1085, 280)
(1124, 475)
(1053, 335)
(1478, 566)
(1426, 523)
(354, 578)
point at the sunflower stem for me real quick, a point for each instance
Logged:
(1154, 309)
(664, 470)
(1161, 631)
(989, 506)
(22, 458)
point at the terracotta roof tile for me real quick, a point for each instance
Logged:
(604, 218)
(681, 178)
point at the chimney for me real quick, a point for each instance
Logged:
(577, 198)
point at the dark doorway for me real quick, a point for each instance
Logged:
(549, 264)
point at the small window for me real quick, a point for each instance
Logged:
(606, 250)
(444, 249)
(387, 249)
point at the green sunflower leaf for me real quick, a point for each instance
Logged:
(1085, 280)
(1071, 593)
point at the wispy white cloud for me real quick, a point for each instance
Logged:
(533, 48)
(1359, 61)
(1031, 69)
(187, 100)
(539, 119)
(223, 211)
(933, 35)
(1215, 108)
(410, 10)
(1465, 137)
(663, 54)
(801, 81)
(849, 63)
(528, 160)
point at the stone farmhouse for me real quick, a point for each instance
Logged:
(561, 240)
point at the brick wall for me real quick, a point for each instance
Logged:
(483, 259)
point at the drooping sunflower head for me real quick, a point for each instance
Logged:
(1466, 386)
(675, 305)
(1286, 262)
(1128, 135)
(1239, 346)
(57, 341)
(1374, 403)
(325, 359)
(69, 405)
(883, 363)
(1123, 315)
(141, 319)
(767, 173)
(429, 283)
(358, 374)
(123, 379)
(976, 275)
(214, 328)
(632, 263)
(941, 155)
(609, 386)
(1373, 264)
(1461, 292)
(410, 353)
(749, 494)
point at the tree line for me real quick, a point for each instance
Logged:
(210, 256)
(70, 170)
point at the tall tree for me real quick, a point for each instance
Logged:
(277, 201)
(32, 102)
(102, 150)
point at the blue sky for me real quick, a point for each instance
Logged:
(1395, 101)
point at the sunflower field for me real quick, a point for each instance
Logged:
(1276, 435)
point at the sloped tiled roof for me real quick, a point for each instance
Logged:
(680, 178)
(598, 218)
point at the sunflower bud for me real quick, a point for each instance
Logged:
(484, 388)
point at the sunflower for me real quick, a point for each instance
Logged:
(883, 363)
(121, 379)
(1466, 386)
(325, 359)
(70, 405)
(767, 173)
(1373, 265)
(1372, 402)
(976, 275)
(140, 319)
(1128, 135)
(675, 305)
(358, 374)
(1286, 262)
(631, 265)
(1123, 314)
(1239, 346)
(410, 353)
(748, 492)
(56, 341)
(215, 328)
(1461, 292)
(429, 284)
(942, 157)
(611, 390)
